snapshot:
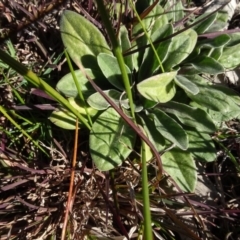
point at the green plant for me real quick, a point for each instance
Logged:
(173, 102)
(164, 98)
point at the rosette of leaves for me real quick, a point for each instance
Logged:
(174, 104)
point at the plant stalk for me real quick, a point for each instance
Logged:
(147, 35)
(118, 53)
(78, 87)
(146, 202)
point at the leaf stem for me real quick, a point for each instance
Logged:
(146, 202)
(78, 87)
(118, 53)
(149, 39)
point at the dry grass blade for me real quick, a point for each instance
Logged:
(71, 186)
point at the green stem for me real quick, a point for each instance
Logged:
(118, 53)
(149, 39)
(78, 87)
(146, 202)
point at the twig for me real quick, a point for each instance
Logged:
(70, 192)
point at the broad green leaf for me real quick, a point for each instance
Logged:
(230, 57)
(63, 119)
(186, 84)
(205, 23)
(162, 47)
(197, 79)
(126, 45)
(66, 84)
(224, 116)
(97, 101)
(82, 39)
(216, 116)
(214, 99)
(189, 116)
(138, 55)
(180, 97)
(150, 63)
(216, 53)
(110, 68)
(178, 11)
(201, 146)
(220, 116)
(190, 70)
(154, 136)
(170, 129)
(174, 10)
(181, 167)
(137, 108)
(235, 39)
(217, 27)
(233, 95)
(159, 88)
(220, 23)
(229, 92)
(216, 42)
(111, 140)
(160, 19)
(207, 64)
(80, 108)
(147, 103)
(180, 48)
